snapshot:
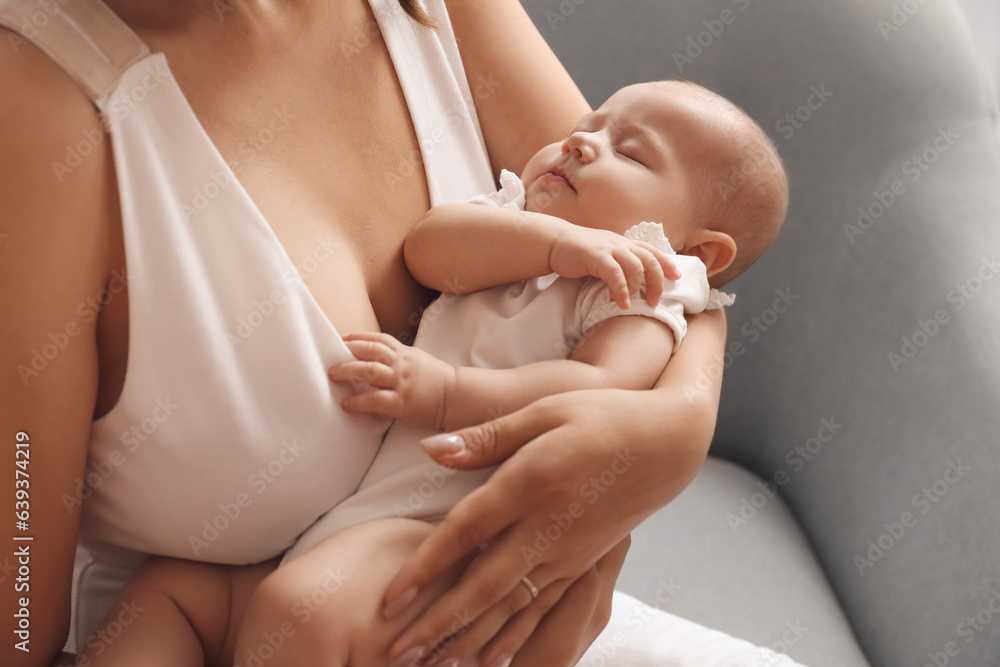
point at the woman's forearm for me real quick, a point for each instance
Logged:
(684, 403)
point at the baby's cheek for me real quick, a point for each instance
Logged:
(547, 197)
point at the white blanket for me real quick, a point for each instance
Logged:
(639, 635)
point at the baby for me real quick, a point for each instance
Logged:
(560, 282)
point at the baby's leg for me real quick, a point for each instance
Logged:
(325, 608)
(175, 613)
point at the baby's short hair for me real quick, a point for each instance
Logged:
(742, 186)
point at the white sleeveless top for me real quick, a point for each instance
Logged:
(228, 440)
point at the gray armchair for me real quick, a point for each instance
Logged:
(850, 511)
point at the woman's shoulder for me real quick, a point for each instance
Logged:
(58, 186)
(42, 105)
(510, 68)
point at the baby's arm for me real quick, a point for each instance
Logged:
(460, 248)
(626, 352)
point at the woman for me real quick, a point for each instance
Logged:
(341, 163)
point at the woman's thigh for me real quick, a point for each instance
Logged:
(325, 607)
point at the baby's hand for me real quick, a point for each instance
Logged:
(625, 265)
(396, 380)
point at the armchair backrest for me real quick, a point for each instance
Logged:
(864, 368)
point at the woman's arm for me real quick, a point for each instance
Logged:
(53, 256)
(533, 100)
(550, 453)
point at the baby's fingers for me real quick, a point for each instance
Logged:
(370, 350)
(670, 270)
(634, 268)
(382, 401)
(361, 373)
(653, 275)
(612, 272)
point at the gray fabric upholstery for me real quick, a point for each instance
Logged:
(888, 96)
(759, 581)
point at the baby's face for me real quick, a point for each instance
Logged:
(620, 166)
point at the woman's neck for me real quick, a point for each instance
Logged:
(265, 19)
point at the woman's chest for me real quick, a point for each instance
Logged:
(321, 140)
(318, 132)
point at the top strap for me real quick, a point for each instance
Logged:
(84, 37)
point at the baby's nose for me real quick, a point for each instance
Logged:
(581, 146)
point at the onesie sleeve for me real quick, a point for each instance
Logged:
(595, 306)
(690, 294)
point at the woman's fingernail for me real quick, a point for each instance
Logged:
(502, 661)
(450, 662)
(394, 608)
(408, 659)
(444, 444)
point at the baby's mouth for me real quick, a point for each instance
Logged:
(561, 175)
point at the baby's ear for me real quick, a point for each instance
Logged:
(716, 250)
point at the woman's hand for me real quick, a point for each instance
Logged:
(595, 464)
(550, 512)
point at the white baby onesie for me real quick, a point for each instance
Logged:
(690, 294)
(501, 327)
